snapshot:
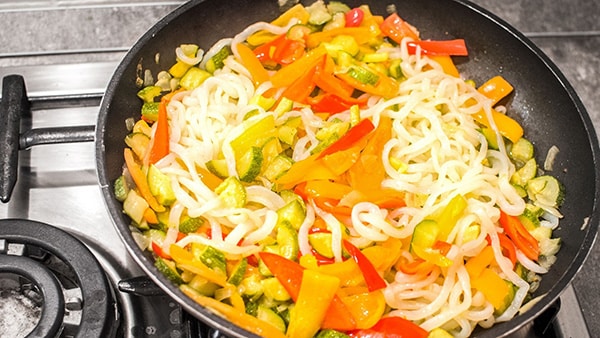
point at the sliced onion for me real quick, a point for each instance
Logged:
(550, 157)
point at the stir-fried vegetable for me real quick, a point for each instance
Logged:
(291, 207)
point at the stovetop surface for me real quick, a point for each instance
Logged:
(91, 37)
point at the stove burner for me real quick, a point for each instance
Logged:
(76, 298)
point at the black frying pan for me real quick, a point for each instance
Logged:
(544, 102)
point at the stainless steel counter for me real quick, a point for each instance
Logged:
(50, 32)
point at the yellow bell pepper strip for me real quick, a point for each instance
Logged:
(350, 138)
(323, 188)
(186, 261)
(508, 127)
(456, 47)
(290, 275)
(424, 238)
(522, 239)
(397, 29)
(251, 62)
(316, 293)
(159, 146)
(347, 271)
(242, 319)
(447, 64)
(288, 74)
(495, 88)
(450, 215)
(139, 178)
(384, 254)
(372, 278)
(298, 12)
(391, 327)
(476, 264)
(494, 288)
(360, 34)
(367, 308)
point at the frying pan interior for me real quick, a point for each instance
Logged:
(543, 101)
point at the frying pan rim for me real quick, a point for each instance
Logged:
(499, 329)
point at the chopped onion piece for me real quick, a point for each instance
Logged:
(550, 157)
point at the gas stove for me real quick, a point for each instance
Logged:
(63, 266)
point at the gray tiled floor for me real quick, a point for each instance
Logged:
(568, 31)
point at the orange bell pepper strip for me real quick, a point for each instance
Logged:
(307, 169)
(300, 89)
(368, 172)
(288, 74)
(159, 147)
(447, 64)
(340, 161)
(366, 307)
(508, 247)
(476, 264)
(242, 319)
(418, 266)
(139, 178)
(522, 239)
(386, 87)
(290, 273)
(325, 80)
(495, 88)
(252, 63)
(211, 180)
(507, 126)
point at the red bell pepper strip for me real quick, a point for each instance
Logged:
(508, 247)
(289, 274)
(160, 140)
(522, 239)
(397, 29)
(456, 47)
(159, 251)
(372, 278)
(281, 50)
(354, 17)
(391, 327)
(353, 135)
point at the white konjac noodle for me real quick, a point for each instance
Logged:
(434, 136)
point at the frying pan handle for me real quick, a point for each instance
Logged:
(13, 105)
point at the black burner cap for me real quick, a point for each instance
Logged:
(98, 309)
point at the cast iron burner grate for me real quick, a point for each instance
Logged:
(58, 274)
